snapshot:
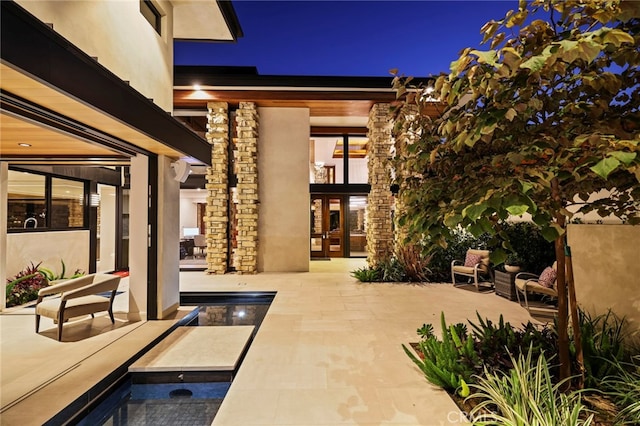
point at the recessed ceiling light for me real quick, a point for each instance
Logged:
(24, 144)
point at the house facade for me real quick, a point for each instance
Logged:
(88, 138)
(94, 114)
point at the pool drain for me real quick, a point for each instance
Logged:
(180, 393)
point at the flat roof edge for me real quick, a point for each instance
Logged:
(31, 46)
(205, 75)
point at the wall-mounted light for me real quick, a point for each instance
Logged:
(197, 87)
(182, 170)
(94, 200)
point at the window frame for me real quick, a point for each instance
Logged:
(147, 7)
(48, 194)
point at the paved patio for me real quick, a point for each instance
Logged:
(328, 352)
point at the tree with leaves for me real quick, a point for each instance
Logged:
(545, 122)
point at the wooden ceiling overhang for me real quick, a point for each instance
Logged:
(77, 108)
(323, 96)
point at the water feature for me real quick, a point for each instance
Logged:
(181, 397)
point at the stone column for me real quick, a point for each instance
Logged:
(406, 136)
(379, 225)
(216, 211)
(246, 168)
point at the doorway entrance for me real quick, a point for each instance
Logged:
(327, 226)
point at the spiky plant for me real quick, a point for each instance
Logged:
(624, 388)
(526, 395)
(366, 275)
(24, 286)
(448, 362)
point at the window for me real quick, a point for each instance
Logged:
(358, 225)
(329, 159)
(358, 169)
(26, 204)
(67, 203)
(151, 14)
(42, 201)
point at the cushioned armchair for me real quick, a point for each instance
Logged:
(200, 243)
(78, 296)
(543, 284)
(476, 264)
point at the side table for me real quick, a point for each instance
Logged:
(505, 284)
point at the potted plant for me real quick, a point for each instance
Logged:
(513, 263)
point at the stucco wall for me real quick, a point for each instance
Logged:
(283, 174)
(607, 268)
(119, 36)
(4, 181)
(138, 236)
(168, 238)
(49, 248)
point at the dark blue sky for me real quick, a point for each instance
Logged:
(349, 38)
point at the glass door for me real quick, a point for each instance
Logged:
(106, 232)
(318, 248)
(327, 226)
(357, 226)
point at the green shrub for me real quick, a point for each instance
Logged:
(414, 264)
(526, 395)
(529, 246)
(459, 356)
(440, 262)
(390, 270)
(408, 264)
(448, 362)
(51, 276)
(495, 343)
(527, 243)
(24, 286)
(603, 340)
(624, 388)
(366, 275)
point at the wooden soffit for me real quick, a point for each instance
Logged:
(41, 68)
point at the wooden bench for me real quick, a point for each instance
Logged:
(78, 296)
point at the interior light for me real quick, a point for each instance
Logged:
(24, 144)
(197, 87)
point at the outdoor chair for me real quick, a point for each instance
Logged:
(475, 265)
(78, 296)
(543, 284)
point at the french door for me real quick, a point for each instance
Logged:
(327, 226)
